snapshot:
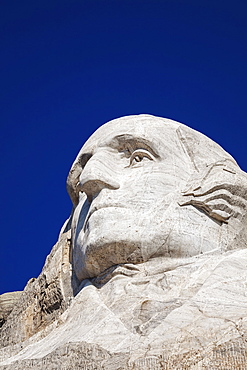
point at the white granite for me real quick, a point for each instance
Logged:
(150, 271)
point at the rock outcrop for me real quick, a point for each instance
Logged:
(7, 303)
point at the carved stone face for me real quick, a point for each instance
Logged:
(129, 178)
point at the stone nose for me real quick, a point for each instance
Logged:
(99, 173)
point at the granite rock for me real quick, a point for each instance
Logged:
(7, 303)
(150, 270)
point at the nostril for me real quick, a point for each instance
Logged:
(93, 187)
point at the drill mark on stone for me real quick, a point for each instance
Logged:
(230, 171)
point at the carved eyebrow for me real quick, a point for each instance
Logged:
(122, 142)
(128, 141)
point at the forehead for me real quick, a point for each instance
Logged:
(154, 130)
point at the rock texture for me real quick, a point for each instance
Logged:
(150, 270)
(7, 303)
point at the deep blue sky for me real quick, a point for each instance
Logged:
(68, 66)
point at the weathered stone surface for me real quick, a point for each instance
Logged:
(43, 299)
(7, 303)
(91, 357)
(150, 271)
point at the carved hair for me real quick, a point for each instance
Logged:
(219, 188)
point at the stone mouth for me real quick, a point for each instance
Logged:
(124, 269)
(97, 208)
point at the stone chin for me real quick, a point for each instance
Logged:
(97, 258)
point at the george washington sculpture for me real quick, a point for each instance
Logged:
(150, 270)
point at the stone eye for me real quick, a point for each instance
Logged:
(137, 158)
(138, 155)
